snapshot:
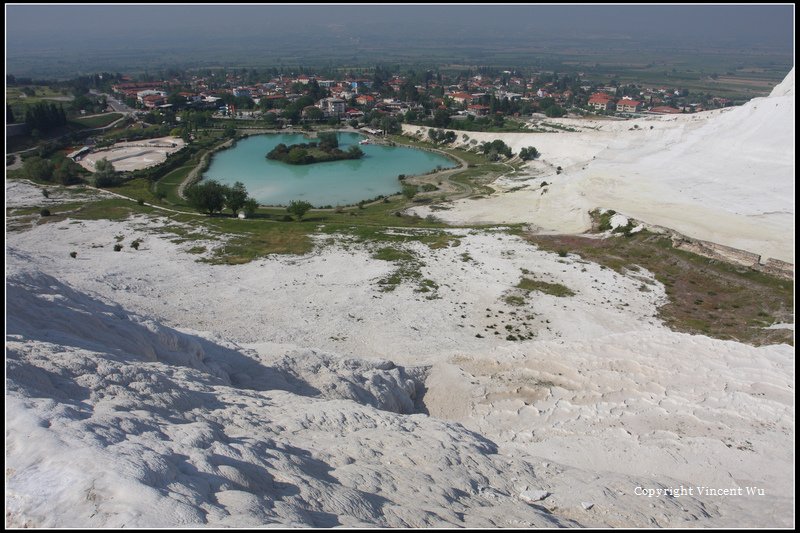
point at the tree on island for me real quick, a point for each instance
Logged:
(308, 153)
(298, 208)
(298, 156)
(328, 140)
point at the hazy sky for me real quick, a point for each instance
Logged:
(26, 24)
(85, 32)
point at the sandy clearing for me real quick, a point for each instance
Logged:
(135, 155)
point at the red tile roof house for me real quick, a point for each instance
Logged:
(601, 101)
(462, 98)
(354, 113)
(365, 99)
(153, 100)
(478, 110)
(665, 110)
(628, 105)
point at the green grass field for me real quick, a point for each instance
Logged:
(98, 121)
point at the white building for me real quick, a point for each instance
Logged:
(332, 107)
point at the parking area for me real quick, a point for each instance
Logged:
(135, 155)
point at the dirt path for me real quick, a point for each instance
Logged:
(145, 203)
(193, 175)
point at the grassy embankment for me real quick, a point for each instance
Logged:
(97, 121)
(705, 296)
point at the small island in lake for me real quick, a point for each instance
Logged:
(327, 149)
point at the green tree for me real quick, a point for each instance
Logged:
(176, 99)
(235, 197)
(250, 206)
(292, 114)
(441, 118)
(298, 208)
(297, 156)
(105, 175)
(67, 172)
(354, 152)
(408, 92)
(528, 153)
(270, 119)
(38, 169)
(314, 113)
(328, 140)
(207, 197)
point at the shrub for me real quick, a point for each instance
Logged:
(409, 191)
(140, 201)
(117, 247)
(528, 153)
(73, 254)
(45, 193)
(45, 212)
(135, 244)
(298, 208)
(605, 220)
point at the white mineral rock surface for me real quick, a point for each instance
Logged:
(146, 389)
(725, 176)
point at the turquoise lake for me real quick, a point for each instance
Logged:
(333, 183)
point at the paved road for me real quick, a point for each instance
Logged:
(115, 104)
